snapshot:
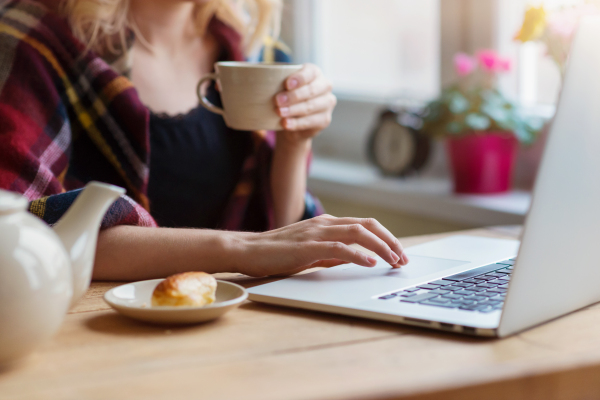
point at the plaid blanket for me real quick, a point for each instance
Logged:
(67, 119)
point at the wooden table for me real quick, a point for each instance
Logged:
(267, 352)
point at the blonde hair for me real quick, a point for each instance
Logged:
(103, 24)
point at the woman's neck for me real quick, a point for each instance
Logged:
(170, 57)
(166, 25)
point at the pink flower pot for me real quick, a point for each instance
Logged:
(529, 159)
(482, 162)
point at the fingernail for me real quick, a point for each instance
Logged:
(292, 83)
(405, 259)
(282, 99)
(395, 257)
(288, 123)
(284, 111)
(371, 260)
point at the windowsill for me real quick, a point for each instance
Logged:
(431, 198)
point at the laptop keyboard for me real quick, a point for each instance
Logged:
(480, 290)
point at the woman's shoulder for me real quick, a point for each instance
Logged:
(42, 55)
(29, 13)
(38, 24)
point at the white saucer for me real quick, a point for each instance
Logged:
(134, 300)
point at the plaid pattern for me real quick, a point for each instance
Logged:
(67, 119)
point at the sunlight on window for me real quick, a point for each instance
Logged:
(384, 48)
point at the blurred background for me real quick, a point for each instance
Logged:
(400, 55)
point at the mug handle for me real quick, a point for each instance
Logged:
(202, 96)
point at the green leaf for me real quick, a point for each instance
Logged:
(499, 114)
(455, 127)
(459, 104)
(535, 124)
(477, 122)
(494, 98)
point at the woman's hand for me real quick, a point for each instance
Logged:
(307, 103)
(321, 241)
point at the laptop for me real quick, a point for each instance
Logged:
(484, 286)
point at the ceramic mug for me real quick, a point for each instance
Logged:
(247, 93)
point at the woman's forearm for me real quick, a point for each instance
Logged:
(131, 253)
(135, 253)
(288, 179)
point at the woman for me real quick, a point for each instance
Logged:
(68, 117)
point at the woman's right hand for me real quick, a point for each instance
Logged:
(320, 241)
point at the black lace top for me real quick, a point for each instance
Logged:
(195, 163)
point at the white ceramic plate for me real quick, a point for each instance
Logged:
(134, 300)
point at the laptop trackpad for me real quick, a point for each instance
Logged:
(418, 267)
(421, 266)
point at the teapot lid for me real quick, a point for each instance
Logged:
(11, 202)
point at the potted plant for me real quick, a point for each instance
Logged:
(482, 128)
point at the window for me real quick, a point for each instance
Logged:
(377, 52)
(383, 48)
(374, 51)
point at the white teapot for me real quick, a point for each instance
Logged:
(44, 271)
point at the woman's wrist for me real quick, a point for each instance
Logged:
(288, 177)
(235, 251)
(292, 142)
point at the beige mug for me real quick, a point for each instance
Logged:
(247, 93)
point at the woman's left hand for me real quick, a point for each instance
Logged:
(307, 103)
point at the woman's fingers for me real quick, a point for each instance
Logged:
(318, 104)
(340, 251)
(314, 89)
(356, 233)
(316, 121)
(374, 226)
(307, 103)
(307, 74)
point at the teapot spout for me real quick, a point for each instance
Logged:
(78, 231)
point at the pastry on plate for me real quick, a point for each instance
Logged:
(190, 289)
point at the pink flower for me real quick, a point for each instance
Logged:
(464, 64)
(504, 64)
(491, 61)
(488, 59)
(564, 23)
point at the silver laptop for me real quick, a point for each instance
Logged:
(490, 287)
